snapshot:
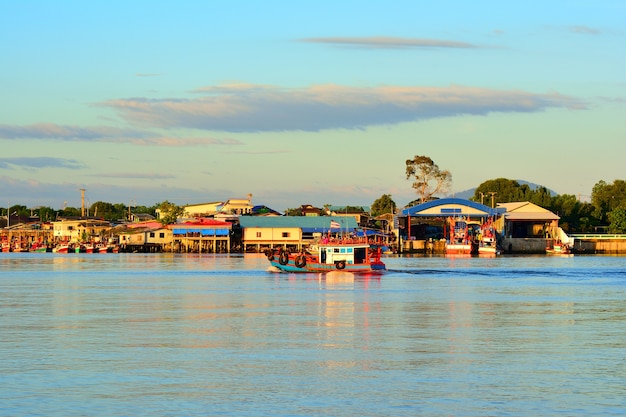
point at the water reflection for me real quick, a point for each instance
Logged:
(202, 335)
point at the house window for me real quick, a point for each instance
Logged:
(258, 234)
(151, 234)
(162, 235)
(285, 234)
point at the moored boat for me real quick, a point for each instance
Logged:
(462, 239)
(487, 240)
(558, 248)
(61, 248)
(40, 247)
(356, 255)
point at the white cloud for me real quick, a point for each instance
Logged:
(104, 134)
(251, 108)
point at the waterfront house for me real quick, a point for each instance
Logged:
(528, 228)
(232, 206)
(362, 214)
(201, 235)
(79, 229)
(291, 232)
(148, 236)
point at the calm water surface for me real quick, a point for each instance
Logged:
(206, 335)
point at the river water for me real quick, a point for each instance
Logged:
(220, 335)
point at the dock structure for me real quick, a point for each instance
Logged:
(24, 238)
(201, 236)
(191, 243)
(599, 243)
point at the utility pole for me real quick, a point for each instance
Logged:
(482, 197)
(493, 198)
(130, 203)
(82, 202)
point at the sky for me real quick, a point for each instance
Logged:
(305, 102)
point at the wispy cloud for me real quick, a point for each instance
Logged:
(104, 134)
(55, 131)
(39, 162)
(584, 30)
(251, 108)
(135, 175)
(386, 42)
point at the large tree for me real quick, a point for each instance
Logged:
(384, 204)
(169, 212)
(428, 178)
(607, 197)
(503, 190)
(108, 211)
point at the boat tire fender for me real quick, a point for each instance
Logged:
(340, 264)
(300, 261)
(270, 254)
(283, 259)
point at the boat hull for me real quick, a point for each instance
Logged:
(299, 264)
(319, 267)
(461, 249)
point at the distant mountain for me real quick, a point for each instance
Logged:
(467, 194)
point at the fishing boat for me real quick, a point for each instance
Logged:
(462, 239)
(61, 248)
(558, 248)
(40, 247)
(349, 254)
(487, 240)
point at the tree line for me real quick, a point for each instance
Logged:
(605, 212)
(107, 211)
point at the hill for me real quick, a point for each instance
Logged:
(467, 194)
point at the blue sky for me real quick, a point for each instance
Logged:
(305, 102)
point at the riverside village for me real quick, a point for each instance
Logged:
(445, 226)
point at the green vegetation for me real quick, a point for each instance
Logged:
(169, 212)
(384, 204)
(606, 210)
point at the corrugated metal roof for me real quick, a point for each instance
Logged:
(547, 215)
(459, 207)
(203, 222)
(307, 224)
(525, 210)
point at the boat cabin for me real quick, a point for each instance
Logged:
(353, 254)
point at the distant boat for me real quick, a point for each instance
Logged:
(356, 255)
(39, 247)
(558, 248)
(61, 248)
